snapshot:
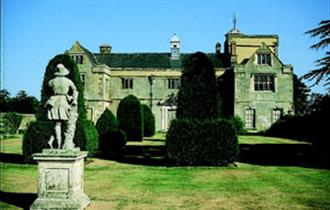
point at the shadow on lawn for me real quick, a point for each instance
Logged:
(11, 158)
(142, 155)
(22, 200)
(302, 155)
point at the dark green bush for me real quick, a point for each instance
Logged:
(197, 97)
(86, 137)
(130, 117)
(149, 121)
(238, 124)
(11, 122)
(202, 142)
(111, 138)
(36, 138)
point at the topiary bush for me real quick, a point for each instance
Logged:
(202, 142)
(238, 124)
(86, 137)
(130, 117)
(197, 97)
(111, 139)
(149, 121)
(36, 138)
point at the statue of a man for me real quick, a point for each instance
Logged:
(62, 107)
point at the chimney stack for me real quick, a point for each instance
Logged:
(105, 49)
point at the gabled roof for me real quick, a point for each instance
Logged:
(262, 49)
(78, 48)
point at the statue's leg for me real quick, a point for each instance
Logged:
(58, 133)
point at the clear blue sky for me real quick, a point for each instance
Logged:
(34, 31)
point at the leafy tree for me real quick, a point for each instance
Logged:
(323, 72)
(197, 98)
(300, 95)
(130, 117)
(23, 103)
(4, 100)
(149, 121)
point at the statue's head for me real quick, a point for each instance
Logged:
(61, 70)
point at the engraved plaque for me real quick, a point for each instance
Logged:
(57, 180)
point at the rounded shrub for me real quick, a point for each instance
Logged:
(149, 121)
(238, 124)
(36, 138)
(202, 142)
(130, 117)
(111, 138)
(197, 97)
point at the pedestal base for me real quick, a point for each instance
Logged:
(60, 180)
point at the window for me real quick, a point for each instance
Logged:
(83, 78)
(277, 114)
(79, 59)
(264, 59)
(127, 83)
(250, 118)
(173, 83)
(264, 82)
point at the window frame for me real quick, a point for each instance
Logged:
(264, 59)
(127, 83)
(264, 82)
(250, 118)
(173, 83)
(275, 115)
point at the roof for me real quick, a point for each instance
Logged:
(77, 47)
(151, 60)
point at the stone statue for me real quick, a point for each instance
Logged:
(62, 108)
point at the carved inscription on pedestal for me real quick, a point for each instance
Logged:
(57, 180)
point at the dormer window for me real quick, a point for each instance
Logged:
(79, 59)
(264, 59)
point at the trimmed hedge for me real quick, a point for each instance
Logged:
(202, 142)
(149, 121)
(111, 138)
(197, 97)
(130, 117)
(36, 138)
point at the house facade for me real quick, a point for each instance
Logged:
(259, 85)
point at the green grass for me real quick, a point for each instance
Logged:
(113, 185)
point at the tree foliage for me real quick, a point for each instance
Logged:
(130, 117)
(300, 95)
(323, 72)
(21, 103)
(197, 95)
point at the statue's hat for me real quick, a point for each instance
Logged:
(61, 70)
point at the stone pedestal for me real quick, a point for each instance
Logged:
(60, 180)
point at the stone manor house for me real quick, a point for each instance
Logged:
(260, 88)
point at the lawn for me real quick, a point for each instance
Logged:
(117, 185)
